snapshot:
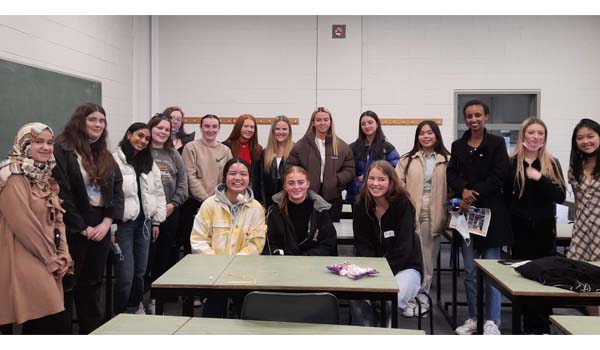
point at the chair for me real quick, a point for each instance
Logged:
(291, 307)
(428, 312)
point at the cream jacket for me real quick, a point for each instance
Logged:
(217, 231)
(412, 181)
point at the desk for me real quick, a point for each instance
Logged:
(193, 272)
(521, 290)
(200, 325)
(577, 325)
(124, 324)
(238, 275)
(345, 232)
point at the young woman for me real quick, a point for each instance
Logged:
(214, 231)
(327, 159)
(243, 140)
(273, 161)
(34, 256)
(298, 222)
(384, 226)
(584, 177)
(178, 135)
(422, 172)
(144, 211)
(204, 160)
(477, 171)
(91, 189)
(175, 185)
(534, 186)
(370, 146)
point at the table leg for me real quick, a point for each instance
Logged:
(395, 311)
(516, 316)
(479, 302)
(159, 306)
(455, 263)
(382, 318)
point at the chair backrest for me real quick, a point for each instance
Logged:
(291, 307)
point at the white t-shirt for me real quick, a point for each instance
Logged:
(321, 146)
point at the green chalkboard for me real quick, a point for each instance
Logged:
(32, 94)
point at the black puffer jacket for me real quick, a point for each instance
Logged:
(322, 237)
(394, 237)
(565, 273)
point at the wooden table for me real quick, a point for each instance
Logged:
(200, 325)
(577, 325)
(521, 290)
(238, 275)
(124, 324)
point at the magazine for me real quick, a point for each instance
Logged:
(475, 221)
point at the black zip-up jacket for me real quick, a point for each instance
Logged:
(539, 197)
(74, 195)
(394, 237)
(321, 239)
(268, 184)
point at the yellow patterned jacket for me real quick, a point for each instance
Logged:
(217, 231)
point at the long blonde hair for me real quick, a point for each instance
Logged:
(549, 167)
(334, 141)
(271, 149)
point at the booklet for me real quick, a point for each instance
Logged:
(475, 221)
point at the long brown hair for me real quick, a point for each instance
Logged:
(334, 139)
(95, 157)
(549, 168)
(285, 199)
(234, 137)
(154, 121)
(395, 189)
(271, 149)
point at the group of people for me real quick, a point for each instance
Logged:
(66, 201)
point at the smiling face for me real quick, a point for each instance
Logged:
(161, 133)
(210, 129)
(475, 118)
(95, 123)
(427, 138)
(587, 140)
(237, 179)
(368, 125)
(139, 139)
(296, 186)
(282, 131)
(248, 129)
(176, 120)
(321, 123)
(42, 147)
(378, 183)
(534, 136)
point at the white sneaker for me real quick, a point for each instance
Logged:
(140, 310)
(410, 310)
(152, 307)
(468, 328)
(490, 328)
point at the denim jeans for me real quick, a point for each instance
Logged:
(366, 313)
(493, 298)
(133, 238)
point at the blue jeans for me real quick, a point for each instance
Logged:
(493, 298)
(365, 313)
(133, 238)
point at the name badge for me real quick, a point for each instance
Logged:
(388, 234)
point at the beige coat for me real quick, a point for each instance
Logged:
(413, 183)
(28, 255)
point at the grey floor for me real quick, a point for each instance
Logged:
(441, 325)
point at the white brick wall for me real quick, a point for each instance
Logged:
(93, 47)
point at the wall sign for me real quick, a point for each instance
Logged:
(338, 31)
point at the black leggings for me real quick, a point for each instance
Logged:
(163, 252)
(47, 325)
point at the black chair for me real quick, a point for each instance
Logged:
(429, 312)
(291, 307)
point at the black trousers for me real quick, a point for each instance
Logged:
(47, 325)
(163, 252)
(84, 287)
(188, 212)
(534, 239)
